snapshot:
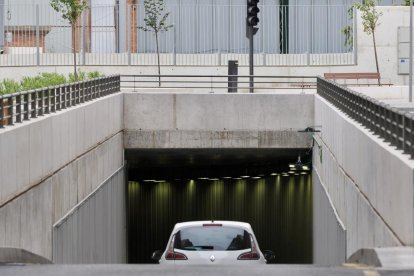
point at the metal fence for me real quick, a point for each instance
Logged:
(392, 125)
(204, 33)
(217, 83)
(23, 106)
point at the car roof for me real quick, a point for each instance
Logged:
(240, 224)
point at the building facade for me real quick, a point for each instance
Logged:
(200, 27)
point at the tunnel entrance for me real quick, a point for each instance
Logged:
(258, 187)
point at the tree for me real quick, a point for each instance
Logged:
(348, 31)
(71, 10)
(156, 21)
(370, 17)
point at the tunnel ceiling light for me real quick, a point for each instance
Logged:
(245, 176)
(291, 172)
(298, 163)
(256, 177)
(306, 168)
(149, 180)
(160, 181)
(214, 179)
(203, 178)
(285, 174)
(296, 174)
(274, 174)
(226, 177)
(237, 178)
(291, 165)
(304, 173)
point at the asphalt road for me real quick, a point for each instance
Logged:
(147, 270)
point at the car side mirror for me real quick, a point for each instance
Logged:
(269, 255)
(156, 255)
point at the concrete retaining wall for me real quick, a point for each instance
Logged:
(26, 222)
(32, 151)
(94, 231)
(50, 164)
(329, 234)
(369, 182)
(217, 120)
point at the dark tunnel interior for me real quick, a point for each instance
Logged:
(265, 188)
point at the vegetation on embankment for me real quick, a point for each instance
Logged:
(8, 86)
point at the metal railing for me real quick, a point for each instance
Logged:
(203, 33)
(23, 106)
(390, 124)
(217, 83)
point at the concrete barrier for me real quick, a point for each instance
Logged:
(50, 164)
(20, 256)
(369, 182)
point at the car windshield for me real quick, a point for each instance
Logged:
(218, 238)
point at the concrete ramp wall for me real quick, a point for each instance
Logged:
(50, 164)
(94, 231)
(369, 182)
(329, 233)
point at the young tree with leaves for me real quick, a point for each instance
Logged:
(156, 21)
(71, 10)
(370, 17)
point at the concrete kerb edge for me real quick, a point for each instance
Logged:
(21, 256)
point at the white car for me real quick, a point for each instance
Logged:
(212, 242)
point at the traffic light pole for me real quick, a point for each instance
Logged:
(251, 59)
(251, 22)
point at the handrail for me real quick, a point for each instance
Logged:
(213, 82)
(390, 124)
(22, 106)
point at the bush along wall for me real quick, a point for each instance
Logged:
(8, 86)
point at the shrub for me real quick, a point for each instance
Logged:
(52, 79)
(81, 76)
(8, 86)
(95, 74)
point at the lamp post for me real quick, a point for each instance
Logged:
(410, 96)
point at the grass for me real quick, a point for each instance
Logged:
(8, 86)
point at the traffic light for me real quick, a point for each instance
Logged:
(252, 11)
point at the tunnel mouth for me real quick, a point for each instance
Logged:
(261, 187)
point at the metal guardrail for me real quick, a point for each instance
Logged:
(213, 83)
(23, 106)
(392, 125)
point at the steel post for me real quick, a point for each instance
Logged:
(410, 97)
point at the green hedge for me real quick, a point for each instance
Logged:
(8, 86)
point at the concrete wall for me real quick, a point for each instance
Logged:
(50, 164)
(217, 120)
(94, 231)
(369, 182)
(26, 222)
(32, 151)
(329, 233)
